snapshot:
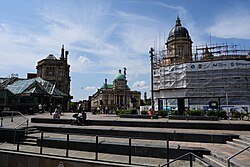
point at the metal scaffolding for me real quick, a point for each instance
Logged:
(218, 71)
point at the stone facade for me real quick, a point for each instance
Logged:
(178, 45)
(56, 71)
(115, 96)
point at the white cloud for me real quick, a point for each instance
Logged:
(15, 47)
(80, 64)
(123, 40)
(110, 45)
(90, 88)
(84, 61)
(137, 32)
(140, 85)
(180, 10)
(233, 23)
(100, 39)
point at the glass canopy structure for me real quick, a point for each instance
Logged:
(25, 94)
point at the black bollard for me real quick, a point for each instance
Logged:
(41, 146)
(96, 148)
(130, 151)
(67, 146)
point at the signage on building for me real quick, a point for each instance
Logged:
(218, 65)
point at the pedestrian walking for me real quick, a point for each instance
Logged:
(40, 108)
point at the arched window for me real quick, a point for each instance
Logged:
(180, 51)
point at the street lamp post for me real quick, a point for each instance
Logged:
(151, 52)
(125, 84)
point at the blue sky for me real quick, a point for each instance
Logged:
(105, 36)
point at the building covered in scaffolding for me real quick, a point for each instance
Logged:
(211, 76)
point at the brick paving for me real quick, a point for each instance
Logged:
(223, 150)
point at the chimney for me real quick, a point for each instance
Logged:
(62, 53)
(145, 96)
(66, 55)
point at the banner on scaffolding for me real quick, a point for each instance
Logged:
(218, 65)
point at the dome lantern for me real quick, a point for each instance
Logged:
(178, 31)
(178, 22)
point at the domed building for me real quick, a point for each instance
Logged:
(179, 45)
(116, 95)
(215, 74)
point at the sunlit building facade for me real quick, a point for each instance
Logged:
(193, 78)
(116, 95)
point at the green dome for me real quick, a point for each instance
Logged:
(119, 76)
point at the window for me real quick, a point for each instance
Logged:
(60, 73)
(180, 50)
(50, 71)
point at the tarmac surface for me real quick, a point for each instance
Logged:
(224, 150)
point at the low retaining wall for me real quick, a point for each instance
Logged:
(51, 120)
(138, 116)
(151, 135)
(156, 151)
(200, 118)
(8, 135)
(153, 124)
(20, 159)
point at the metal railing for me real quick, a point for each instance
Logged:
(229, 158)
(190, 155)
(189, 158)
(97, 150)
(26, 121)
(12, 117)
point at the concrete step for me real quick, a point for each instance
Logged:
(239, 145)
(200, 162)
(236, 145)
(213, 161)
(223, 158)
(242, 142)
(245, 138)
(29, 143)
(30, 140)
(31, 137)
(32, 130)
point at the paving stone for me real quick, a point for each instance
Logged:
(224, 150)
